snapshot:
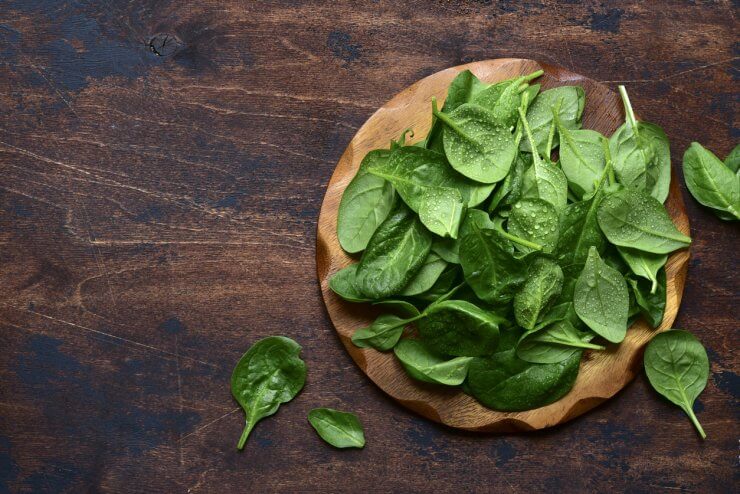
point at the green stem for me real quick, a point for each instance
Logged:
(449, 122)
(654, 286)
(631, 120)
(583, 344)
(535, 151)
(519, 240)
(695, 421)
(245, 434)
(533, 75)
(555, 121)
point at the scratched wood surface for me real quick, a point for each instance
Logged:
(162, 165)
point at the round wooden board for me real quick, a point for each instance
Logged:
(602, 374)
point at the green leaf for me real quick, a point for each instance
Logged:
(366, 202)
(634, 219)
(651, 304)
(677, 367)
(579, 231)
(423, 365)
(509, 190)
(400, 307)
(507, 383)
(426, 277)
(476, 144)
(601, 299)
(582, 158)
(268, 374)
(553, 344)
(394, 255)
(340, 429)
(383, 333)
(540, 118)
(448, 248)
(732, 161)
(711, 182)
(459, 328)
(541, 288)
(644, 264)
(343, 283)
(537, 221)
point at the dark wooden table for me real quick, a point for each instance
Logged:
(162, 165)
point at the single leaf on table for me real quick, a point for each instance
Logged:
(268, 374)
(644, 264)
(711, 182)
(540, 118)
(507, 383)
(601, 298)
(650, 304)
(394, 254)
(541, 288)
(537, 221)
(423, 365)
(476, 144)
(459, 328)
(343, 283)
(554, 343)
(677, 367)
(426, 277)
(340, 429)
(634, 219)
(365, 203)
(732, 161)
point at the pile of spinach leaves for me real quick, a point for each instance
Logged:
(509, 241)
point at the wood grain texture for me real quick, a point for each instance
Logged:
(158, 215)
(601, 375)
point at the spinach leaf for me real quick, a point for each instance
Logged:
(677, 367)
(507, 383)
(540, 118)
(634, 219)
(503, 99)
(426, 277)
(401, 307)
(366, 202)
(541, 288)
(582, 158)
(459, 328)
(268, 374)
(394, 254)
(447, 248)
(510, 189)
(340, 429)
(383, 333)
(343, 283)
(554, 343)
(651, 303)
(644, 264)
(711, 182)
(489, 265)
(476, 144)
(446, 282)
(732, 161)
(537, 221)
(423, 365)
(601, 298)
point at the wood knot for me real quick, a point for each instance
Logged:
(164, 44)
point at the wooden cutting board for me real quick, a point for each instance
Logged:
(602, 374)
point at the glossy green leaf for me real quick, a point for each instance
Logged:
(651, 304)
(540, 118)
(677, 367)
(343, 283)
(732, 161)
(509, 191)
(601, 298)
(423, 365)
(383, 333)
(268, 374)
(538, 292)
(340, 429)
(459, 328)
(644, 264)
(426, 277)
(582, 158)
(537, 221)
(711, 182)
(553, 344)
(634, 219)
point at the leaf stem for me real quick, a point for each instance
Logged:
(555, 122)
(583, 344)
(695, 421)
(528, 131)
(449, 122)
(628, 112)
(245, 434)
(608, 161)
(533, 75)
(519, 240)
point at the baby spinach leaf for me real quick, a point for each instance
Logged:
(510, 189)
(448, 248)
(537, 221)
(268, 374)
(601, 299)
(582, 158)
(711, 182)
(559, 312)
(340, 429)
(426, 277)
(579, 231)
(677, 367)
(503, 99)
(732, 161)
(644, 264)
(459, 328)
(383, 333)
(394, 255)
(542, 286)
(446, 282)
(634, 219)
(423, 365)
(554, 343)
(366, 202)
(488, 263)
(476, 144)
(651, 304)
(343, 283)
(400, 307)
(507, 383)
(659, 170)
(540, 118)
